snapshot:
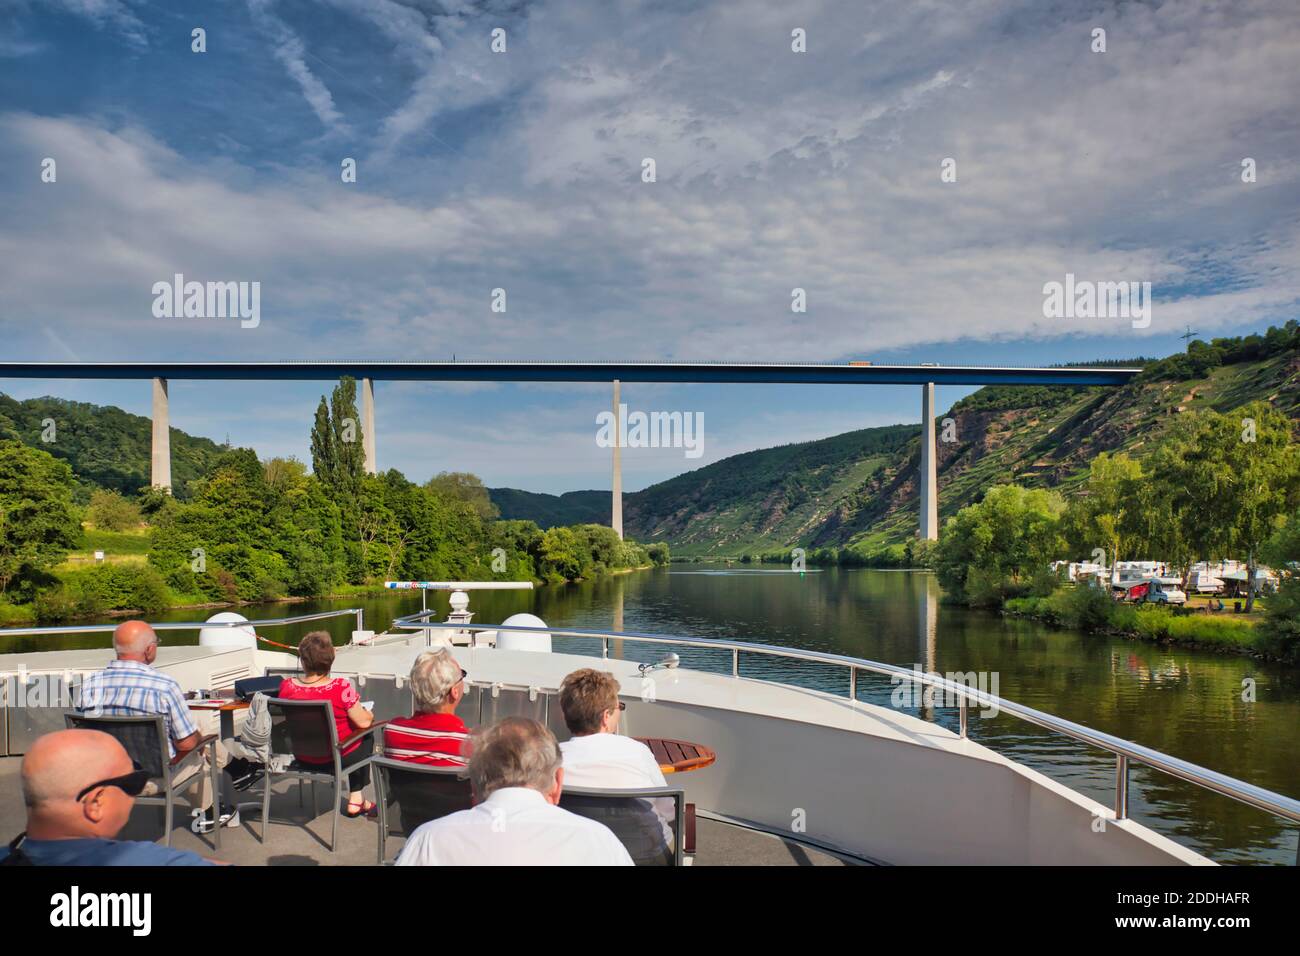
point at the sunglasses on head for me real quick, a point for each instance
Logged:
(132, 784)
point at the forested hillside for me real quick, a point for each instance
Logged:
(106, 447)
(858, 491)
(572, 507)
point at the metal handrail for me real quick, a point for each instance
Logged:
(183, 625)
(1125, 751)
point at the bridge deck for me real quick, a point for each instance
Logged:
(678, 372)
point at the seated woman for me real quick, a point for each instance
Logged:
(316, 655)
(434, 735)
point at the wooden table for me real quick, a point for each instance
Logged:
(224, 703)
(678, 756)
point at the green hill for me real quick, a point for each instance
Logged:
(859, 490)
(764, 499)
(549, 511)
(106, 447)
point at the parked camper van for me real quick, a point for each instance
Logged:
(1165, 591)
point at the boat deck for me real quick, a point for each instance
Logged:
(300, 838)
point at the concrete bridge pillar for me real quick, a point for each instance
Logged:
(616, 505)
(160, 475)
(368, 425)
(929, 468)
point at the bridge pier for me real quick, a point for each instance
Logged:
(368, 425)
(616, 504)
(160, 474)
(929, 468)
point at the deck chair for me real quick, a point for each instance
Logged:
(409, 794)
(306, 728)
(145, 740)
(634, 820)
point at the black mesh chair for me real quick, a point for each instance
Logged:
(409, 794)
(305, 729)
(632, 816)
(145, 740)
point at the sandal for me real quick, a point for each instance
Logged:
(364, 809)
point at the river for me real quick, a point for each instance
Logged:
(1184, 702)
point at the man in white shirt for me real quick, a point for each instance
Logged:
(515, 769)
(600, 758)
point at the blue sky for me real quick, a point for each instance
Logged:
(522, 170)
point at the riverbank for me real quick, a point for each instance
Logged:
(25, 615)
(1088, 610)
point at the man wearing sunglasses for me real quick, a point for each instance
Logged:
(79, 787)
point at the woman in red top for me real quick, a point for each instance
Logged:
(434, 735)
(316, 655)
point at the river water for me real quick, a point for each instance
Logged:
(1183, 702)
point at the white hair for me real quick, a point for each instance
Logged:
(516, 752)
(433, 675)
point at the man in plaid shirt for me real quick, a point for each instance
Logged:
(131, 687)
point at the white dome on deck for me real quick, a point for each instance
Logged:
(227, 636)
(519, 641)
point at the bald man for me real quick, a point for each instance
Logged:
(79, 787)
(132, 687)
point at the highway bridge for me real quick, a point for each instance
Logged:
(368, 372)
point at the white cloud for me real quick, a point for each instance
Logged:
(776, 170)
(115, 15)
(289, 50)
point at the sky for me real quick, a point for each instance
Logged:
(920, 170)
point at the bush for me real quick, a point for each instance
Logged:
(1086, 608)
(61, 604)
(1279, 632)
(109, 511)
(107, 587)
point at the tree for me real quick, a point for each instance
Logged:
(1281, 625)
(284, 473)
(1268, 481)
(462, 486)
(1104, 515)
(38, 523)
(1229, 480)
(109, 511)
(562, 556)
(338, 461)
(989, 550)
(349, 448)
(322, 445)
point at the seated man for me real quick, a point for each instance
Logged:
(131, 687)
(434, 735)
(514, 767)
(600, 758)
(79, 787)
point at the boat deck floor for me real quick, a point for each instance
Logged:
(300, 837)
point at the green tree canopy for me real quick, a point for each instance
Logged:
(109, 511)
(989, 550)
(462, 486)
(38, 522)
(1104, 514)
